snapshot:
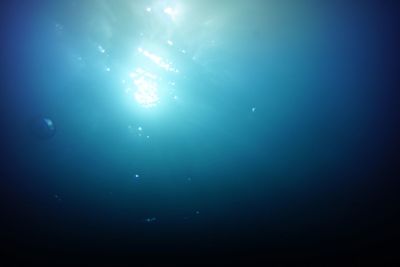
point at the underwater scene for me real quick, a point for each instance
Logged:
(199, 132)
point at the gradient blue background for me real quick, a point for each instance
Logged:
(311, 174)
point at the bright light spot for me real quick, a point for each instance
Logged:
(253, 109)
(108, 69)
(183, 51)
(137, 176)
(168, 10)
(171, 12)
(140, 72)
(170, 42)
(148, 137)
(148, 9)
(101, 49)
(175, 97)
(146, 93)
(157, 60)
(140, 128)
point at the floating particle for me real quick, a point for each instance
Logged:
(253, 109)
(57, 197)
(59, 27)
(137, 175)
(150, 220)
(42, 128)
(101, 49)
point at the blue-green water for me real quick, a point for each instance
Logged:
(195, 126)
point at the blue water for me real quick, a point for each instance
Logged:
(195, 126)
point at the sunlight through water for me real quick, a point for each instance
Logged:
(146, 83)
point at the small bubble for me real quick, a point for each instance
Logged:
(253, 109)
(43, 128)
(57, 197)
(149, 220)
(101, 49)
(137, 176)
(59, 27)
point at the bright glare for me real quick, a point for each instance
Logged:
(157, 60)
(101, 49)
(171, 12)
(146, 93)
